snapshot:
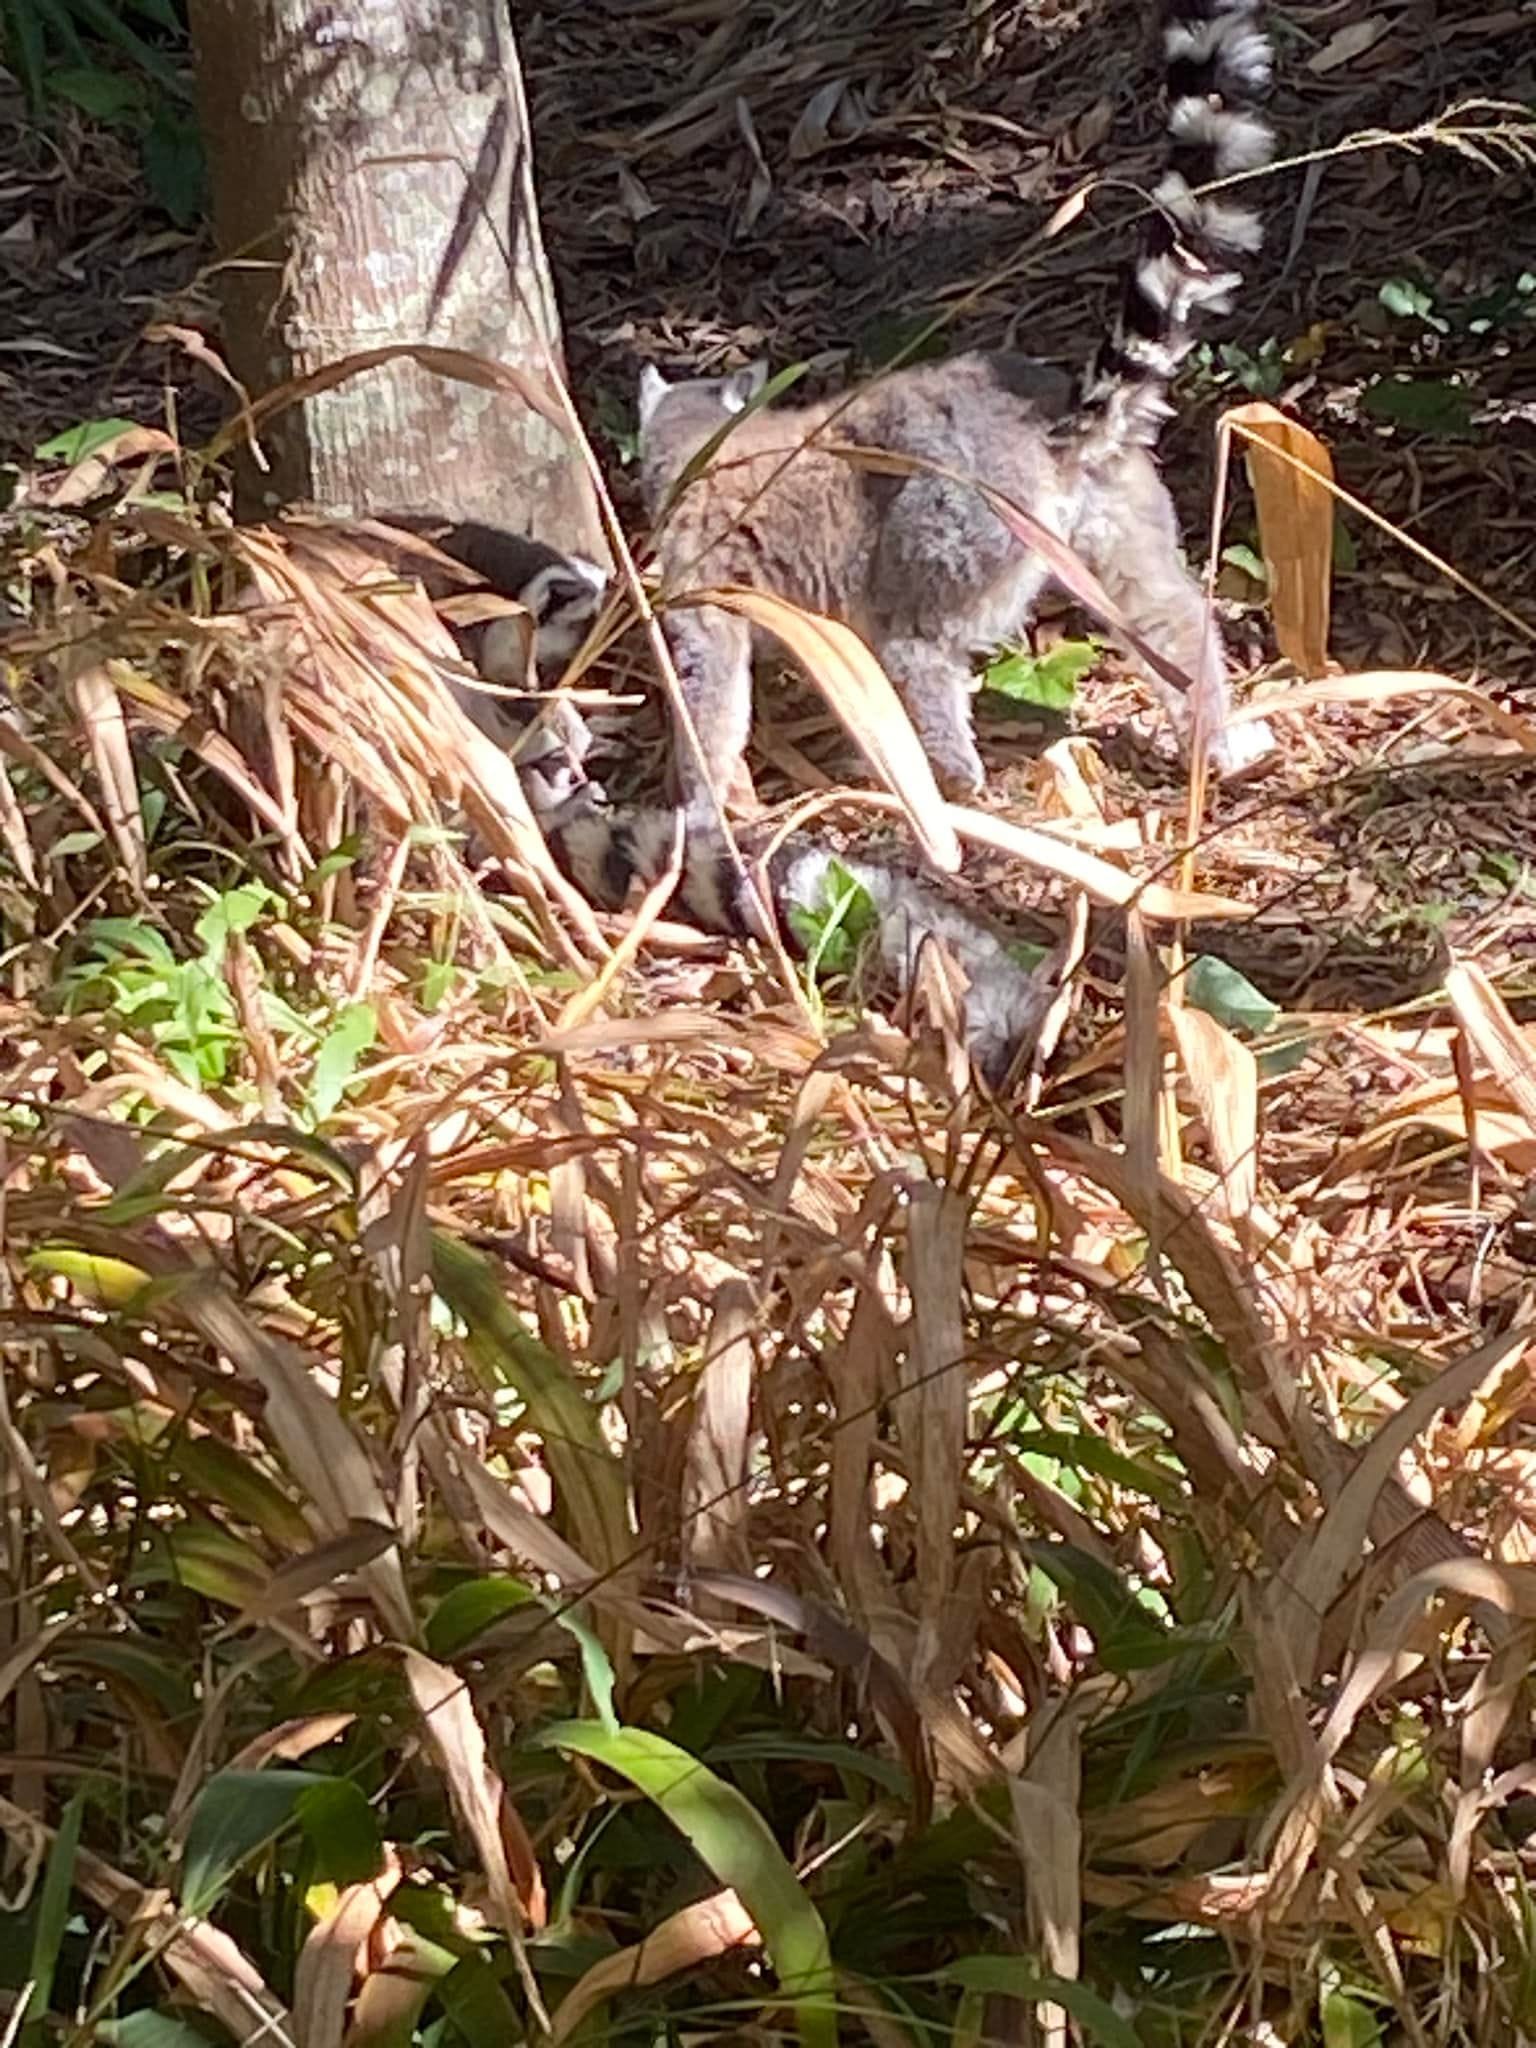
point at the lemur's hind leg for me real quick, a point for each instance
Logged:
(1128, 534)
(933, 681)
(942, 554)
(712, 652)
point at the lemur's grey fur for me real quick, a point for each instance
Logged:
(920, 565)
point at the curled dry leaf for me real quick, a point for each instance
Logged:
(1224, 1078)
(1100, 880)
(860, 692)
(458, 364)
(457, 1742)
(1466, 1582)
(707, 1928)
(715, 1468)
(935, 1401)
(106, 737)
(328, 1961)
(1498, 1038)
(1380, 686)
(1305, 1590)
(1291, 470)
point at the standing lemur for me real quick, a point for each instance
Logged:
(920, 566)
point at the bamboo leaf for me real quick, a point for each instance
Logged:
(734, 1840)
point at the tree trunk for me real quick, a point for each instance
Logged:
(373, 183)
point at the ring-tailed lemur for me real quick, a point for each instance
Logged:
(562, 592)
(604, 851)
(920, 565)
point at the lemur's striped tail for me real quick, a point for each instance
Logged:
(1218, 64)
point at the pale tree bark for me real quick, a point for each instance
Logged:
(373, 183)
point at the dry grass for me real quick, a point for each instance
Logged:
(548, 1478)
(1135, 1484)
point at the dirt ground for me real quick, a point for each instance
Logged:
(809, 181)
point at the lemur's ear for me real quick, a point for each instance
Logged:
(653, 389)
(738, 390)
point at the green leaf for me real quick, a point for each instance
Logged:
(1347, 2023)
(99, 1278)
(590, 1481)
(235, 910)
(1425, 405)
(341, 1830)
(437, 983)
(469, 1610)
(110, 97)
(52, 1917)
(207, 1559)
(336, 1062)
(174, 166)
(1013, 1977)
(151, 2029)
(1048, 681)
(1240, 556)
(1079, 1450)
(124, 1662)
(237, 1813)
(213, 1472)
(1231, 998)
(1409, 301)
(733, 1839)
(1346, 556)
(835, 929)
(596, 1667)
(73, 843)
(697, 464)
(72, 446)
(1126, 1636)
(472, 1996)
(895, 339)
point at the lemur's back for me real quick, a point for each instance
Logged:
(776, 509)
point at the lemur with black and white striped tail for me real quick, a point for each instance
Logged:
(920, 565)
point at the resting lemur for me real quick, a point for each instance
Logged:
(920, 566)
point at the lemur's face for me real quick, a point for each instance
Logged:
(562, 598)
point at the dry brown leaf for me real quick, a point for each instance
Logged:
(1099, 880)
(106, 737)
(859, 691)
(1380, 686)
(213, 1971)
(935, 1402)
(322, 1565)
(479, 1798)
(390, 1997)
(290, 1740)
(1224, 1078)
(92, 473)
(1486, 1020)
(13, 821)
(707, 1928)
(715, 1468)
(1296, 519)
(1348, 43)
(328, 1961)
(1306, 1588)
(457, 364)
(1465, 1582)
(812, 130)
